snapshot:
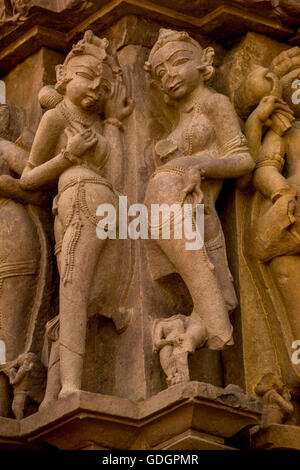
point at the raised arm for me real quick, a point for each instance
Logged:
(267, 177)
(55, 148)
(272, 113)
(118, 107)
(44, 166)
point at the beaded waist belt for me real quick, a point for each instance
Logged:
(175, 170)
(91, 179)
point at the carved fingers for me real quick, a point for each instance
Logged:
(118, 106)
(79, 142)
(286, 61)
(269, 105)
(9, 186)
(192, 180)
(291, 208)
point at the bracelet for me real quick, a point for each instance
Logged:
(68, 156)
(274, 159)
(114, 122)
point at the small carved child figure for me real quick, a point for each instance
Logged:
(174, 344)
(16, 10)
(277, 398)
(27, 375)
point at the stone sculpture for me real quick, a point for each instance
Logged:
(206, 143)
(26, 265)
(127, 343)
(271, 234)
(78, 148)
(277, 399)
(284, 8)
(27, 375)
(15, 10)
(173, 343)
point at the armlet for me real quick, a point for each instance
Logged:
(238, 144)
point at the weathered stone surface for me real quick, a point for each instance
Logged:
(43, 64)
(277, 437)
(219, 19)
(138, 345)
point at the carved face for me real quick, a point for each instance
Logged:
(90, 83)
(176, 67)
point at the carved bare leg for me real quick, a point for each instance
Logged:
(53, 378)
(14, 314)
(19, 404)
(19, 257)
(209, 306)
(182, 366)
(167, 362)
(285, 270)
(77, 270)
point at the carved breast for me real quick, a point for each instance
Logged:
(199, 135)
(97, 156)
(194, 132)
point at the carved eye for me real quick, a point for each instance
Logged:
(161, 73)
(105, 88)
(180, 61)
(85, 75)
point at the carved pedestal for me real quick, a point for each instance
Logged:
(187, 416)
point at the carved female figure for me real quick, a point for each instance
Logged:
(206, 144)
(76, 149)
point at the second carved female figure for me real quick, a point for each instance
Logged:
(206, 144)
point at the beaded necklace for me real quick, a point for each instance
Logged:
(188, 138)
(72, 116)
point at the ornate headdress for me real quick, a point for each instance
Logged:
(169, 35)
(89, 45)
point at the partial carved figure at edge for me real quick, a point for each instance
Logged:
(272, 235)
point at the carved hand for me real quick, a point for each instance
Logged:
(270, 104)
(291, 208)
(118, 106)
(9, 186)
(27, 367)
(192, 180)
(12, 375)
(162, 343)
(79, 142)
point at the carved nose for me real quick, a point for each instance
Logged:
(96, 83)
(171, 72)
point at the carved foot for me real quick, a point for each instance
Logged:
(177, 379)
(46, 403)
(67, 391)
